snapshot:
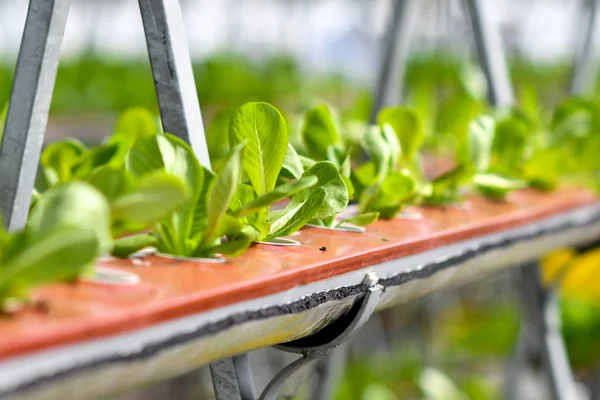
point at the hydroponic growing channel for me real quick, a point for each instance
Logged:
(134, 260)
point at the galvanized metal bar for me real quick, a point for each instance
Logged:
(584, 73)
(540, 333)
(173, 77)
(328, 370)
(490, 52)
(27, 115)
(232, 378)
(394, 54)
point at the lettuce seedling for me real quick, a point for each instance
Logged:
(197, 228)
(319, 193)
(323, 142)
(137, 204)
(70, 159)
(67, 230)
(405, 123)
(473, 164)
(382, 186)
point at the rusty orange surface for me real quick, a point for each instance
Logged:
(171, 289)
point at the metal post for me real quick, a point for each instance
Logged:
(232, 378)
(394, 54)
(540, 333)
(27, 115)
(583, 75)
(490, 53)
(172, 70)
(328, 370)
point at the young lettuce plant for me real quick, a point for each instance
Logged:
(323, 142)
(67, 230)
(319, 193)
(137, 203)
(473, 163)
(70, 159)
(201, 226)
(382, 186)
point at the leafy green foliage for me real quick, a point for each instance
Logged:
(320, 132)
(66, 232)
(264, 130)
(407, 126)
(382, 186)
(320, 192)
(196, 227)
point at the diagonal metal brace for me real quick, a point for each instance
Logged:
(232, 378)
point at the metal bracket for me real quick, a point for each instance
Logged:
(33, 85)
(232, 378)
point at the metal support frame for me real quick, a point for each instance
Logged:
(28, 107)
(540, 337)
(543, 334)
(491, 53)
(173, 76)
(232, 378)
(394, 52)
(33, 85)
(584, 74)
(396, 46)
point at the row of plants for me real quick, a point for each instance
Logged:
(144, 188)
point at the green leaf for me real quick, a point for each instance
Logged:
(297, 214)
(264, 129)
(361, 219)
(292, 165)
(105, 154)
(279, 193)
(510, 144)
(378, 150)
(319, 131)
(330, 180)
(244, 195)
(306, 161)
(496, 186)
(237, 242)
(153, 198)
(476, 150)
(134, 123)
(407, 125)
(76, 205)
(393, 144)
(222, 192)
(445, 189)
(59, 159)
(62, 255)
(128, 245)
(179, 234)
(111, 181)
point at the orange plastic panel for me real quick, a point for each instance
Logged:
(172, 289)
